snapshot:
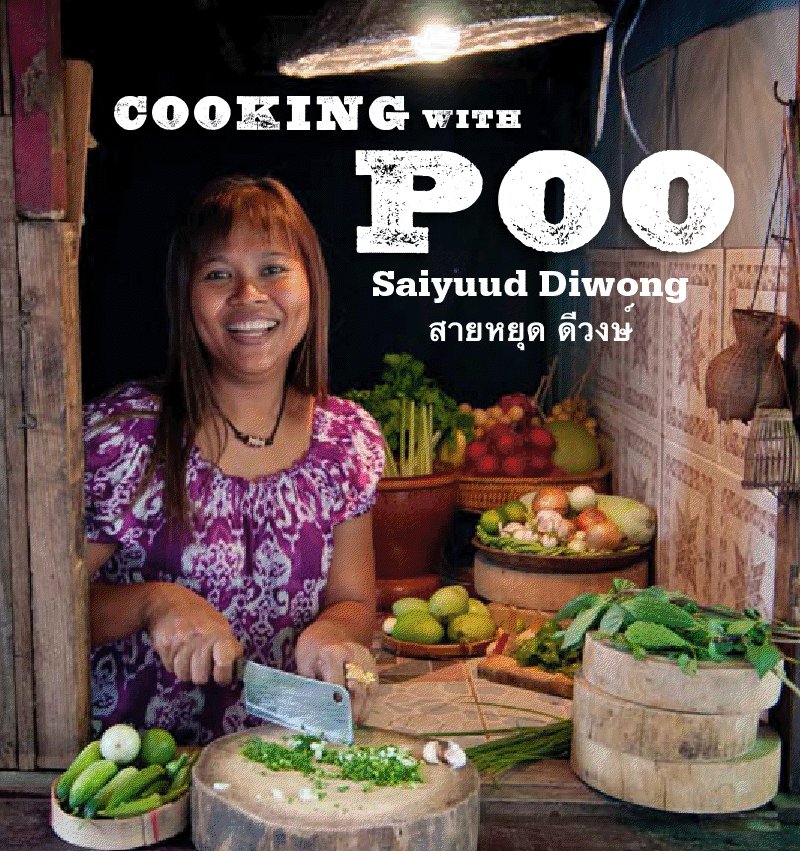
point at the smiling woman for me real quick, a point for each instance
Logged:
(206, 548)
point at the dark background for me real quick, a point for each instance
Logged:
(139, 183)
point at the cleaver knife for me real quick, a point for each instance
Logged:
(308, 706)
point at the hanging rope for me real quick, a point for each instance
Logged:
(621, 77)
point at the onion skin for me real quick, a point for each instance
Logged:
(605, 535)
(555, 499)
(588, 518)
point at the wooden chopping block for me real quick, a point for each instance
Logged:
(659, 734)
(716, 688)
(682, 787)
(505, 670)
(441, 814)
(502, 614)
(544, 591)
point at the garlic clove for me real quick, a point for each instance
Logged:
(430, 753)
(388, 625)
(454, 755)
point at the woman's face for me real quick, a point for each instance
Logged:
(250, 303)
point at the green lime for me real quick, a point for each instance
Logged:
(491, 521)
(158, 747)
(466, 628)
(476, 607)
(419, 627)
(448, 602)
(409, 604)
(515, 511)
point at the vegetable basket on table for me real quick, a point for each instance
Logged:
(137, 831)
(124, 790)
(540, 551)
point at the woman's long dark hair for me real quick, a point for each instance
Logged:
(186, 396)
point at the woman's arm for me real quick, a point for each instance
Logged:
(349, 603)
(192, 638)
(343, 630)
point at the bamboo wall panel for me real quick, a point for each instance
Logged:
(59, 588)
(17, 700)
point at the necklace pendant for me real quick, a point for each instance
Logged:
(256, 442)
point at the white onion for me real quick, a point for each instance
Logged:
(582, 497)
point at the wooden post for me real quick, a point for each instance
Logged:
(786, 715)
(34, 40)
(78, 97)
(48, 255)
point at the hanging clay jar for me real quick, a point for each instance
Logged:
(750, 372)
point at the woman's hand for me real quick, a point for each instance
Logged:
(324, 653)
(195, 642)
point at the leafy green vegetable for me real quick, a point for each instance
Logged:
(613, 619)
(414, 414)
(581, 602)
(584, 621)
(740, 627)
(544, 650)
(380, 766)
(763, 658)
(671, 625)
(653, 636)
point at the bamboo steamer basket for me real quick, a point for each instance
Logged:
(110, 834)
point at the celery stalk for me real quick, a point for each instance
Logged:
(391, 466)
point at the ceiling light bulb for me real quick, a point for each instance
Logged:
(436, 42)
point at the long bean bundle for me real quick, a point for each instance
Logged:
(530, 744)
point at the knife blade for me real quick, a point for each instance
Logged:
(298, 703)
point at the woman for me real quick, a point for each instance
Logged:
(228, 507)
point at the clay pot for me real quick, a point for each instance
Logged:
(749, 372)
(411, 520)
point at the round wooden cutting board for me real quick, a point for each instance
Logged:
(243, 812)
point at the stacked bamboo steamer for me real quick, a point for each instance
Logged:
(645, 732)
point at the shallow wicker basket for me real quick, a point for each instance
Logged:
(478, 493)
(117, 834)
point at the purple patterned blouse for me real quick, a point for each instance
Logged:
(260, 551)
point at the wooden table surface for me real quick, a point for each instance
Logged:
(541, 807)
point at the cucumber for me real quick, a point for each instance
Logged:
(174, 794)
(90, 781)
(156, 788)
(99, 800)
(90, 754)
(128, 809)
(182, 778)
(135, 786)
(176, 765)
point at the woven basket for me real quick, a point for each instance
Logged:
(750, 371)
(772, 452)
(480, 493)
